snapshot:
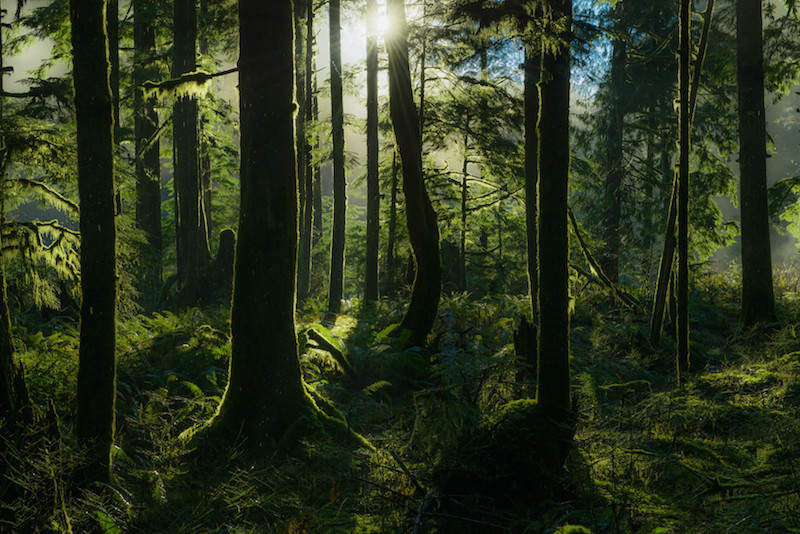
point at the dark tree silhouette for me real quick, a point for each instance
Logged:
(339, 180)
(94, 117)
(373, 184)
(758, 302)
(306, 171)
(422, 225)
(265, 392)
(684, 142)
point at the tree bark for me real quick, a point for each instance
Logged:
(614, 159)
(533, 71)
(306, 172)
(758, 303)
(422, 224)
(553, 384)
(112, 21)
(193, 252)
(684, 57)
(462, 249)
(148, 162)
(336, 288)
(265, 393)
(95, 122)
(373, 184)
(390, 276)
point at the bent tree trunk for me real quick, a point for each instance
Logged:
(422, 227)
(758, 303)
(94, 116)
(265, 392)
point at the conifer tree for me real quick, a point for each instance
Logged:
(94, 116)
(373, 185)
(336, 288)
(758, 303)
(423, 230)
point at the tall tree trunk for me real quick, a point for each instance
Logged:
(758, 303)
(148, 163)
(533, 71)
(306, 172)
(204, 155)
(373, 184)
(553, 384)
(265, 393)
(422, 225)
(614, 159)
(336, 288)
(317, 185)
(95, 122)
(112, 21)
(390, 240)
(192, 235)
(684, 146)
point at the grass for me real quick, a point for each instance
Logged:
(718, 456)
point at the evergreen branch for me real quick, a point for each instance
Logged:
(156, 136)
(48, 194)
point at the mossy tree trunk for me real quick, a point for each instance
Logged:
(615, 170)
(373, 184)
(758, 302)
(191, 232)
(112, 25)
(94, 116)
(422, 224)
(533, 71)
(336, 288)
(148, 163)
(265, 392)
(684, 147)
(553, 240)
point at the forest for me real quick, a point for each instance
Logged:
(400, 266)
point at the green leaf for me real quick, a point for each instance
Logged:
(107, 524)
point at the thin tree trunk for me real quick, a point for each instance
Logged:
(373, 183)
(306, 173)
(204, 156)
(615, 162)
(462, 249)
(317, 186)
(533, 70)
(553, 384)
(265, 393)
(336, 288)
(684, 145)
(758, 302)
(422, 224)
(95, 122)
(148, 164)
(390, 245)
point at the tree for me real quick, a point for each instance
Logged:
(112, 28)
(148, 164)
(94, 117)
(265, 392)
(373, 185)
(306, 172)
(553, 240)
(758, 303)
(336, 288)
(533, 71)
(682, 197)
(191, 228)
(422, 223)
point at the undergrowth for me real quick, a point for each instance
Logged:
(717, 456)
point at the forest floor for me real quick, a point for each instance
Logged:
(720, 455)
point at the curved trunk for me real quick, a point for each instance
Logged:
(94, 116)
(422, 225)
